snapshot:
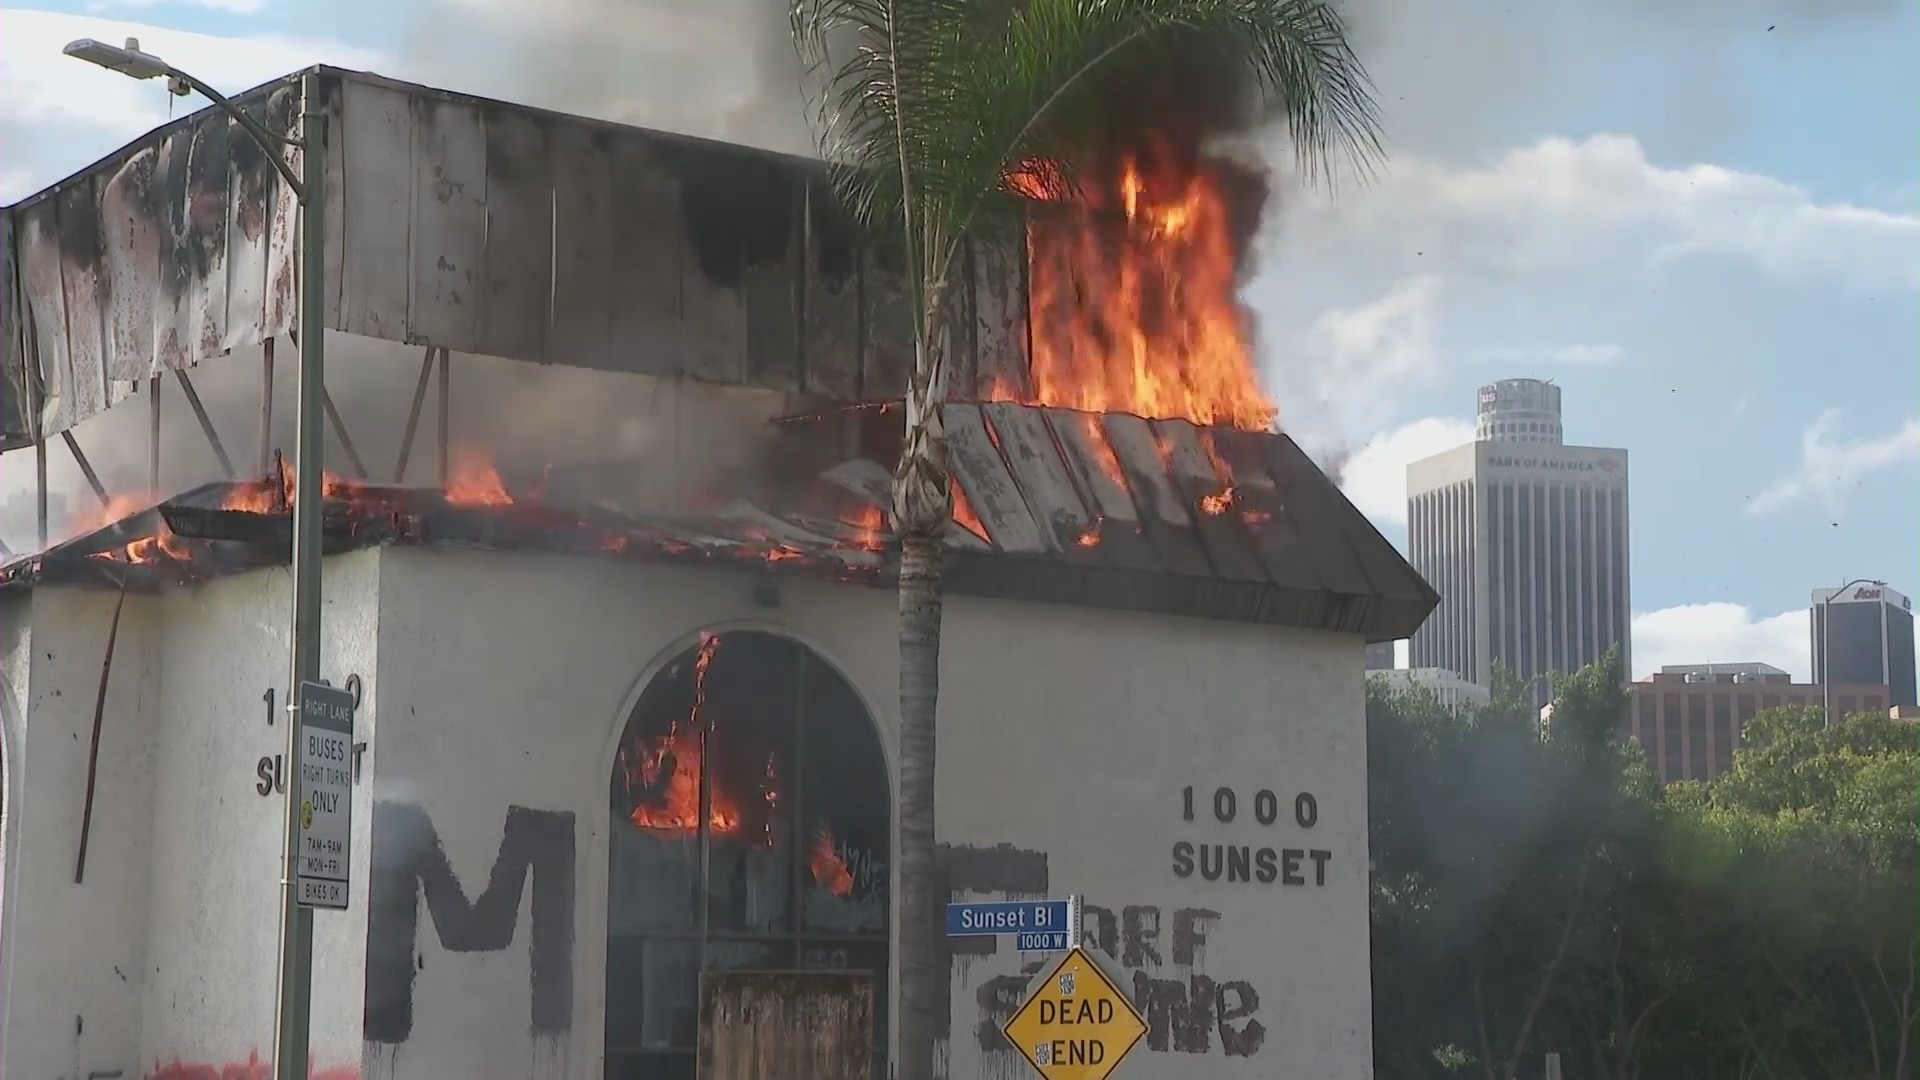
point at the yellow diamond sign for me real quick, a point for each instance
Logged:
(1077, 1025)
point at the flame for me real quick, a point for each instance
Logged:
(259, 497)
(267, 497)
(963, 514)
(473, 481)
(869, 523)
(113, 509)
(1103, 450)
(1144, 318)
(146, 549)
(829, 869)
(164, 542)
(1091, 537)
(667, 769)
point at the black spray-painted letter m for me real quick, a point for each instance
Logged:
(408, 863)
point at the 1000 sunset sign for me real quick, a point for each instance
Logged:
(1250, 863)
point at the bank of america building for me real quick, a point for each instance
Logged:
(1526, 540)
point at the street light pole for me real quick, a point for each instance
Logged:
(293, 992)
(1826, 635)
(293, 988)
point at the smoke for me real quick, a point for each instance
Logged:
(632, 442)
(720, 69)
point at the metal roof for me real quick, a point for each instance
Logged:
(1054, 505)
(473, 225)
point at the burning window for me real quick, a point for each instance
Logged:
(750, 804)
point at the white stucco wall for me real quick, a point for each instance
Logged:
(162, 960)
(504, 681)
(1084, 728)
(1066, 733)
(510, 678)
(76, 956)
(212, 916)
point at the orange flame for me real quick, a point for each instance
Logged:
(115, 508)
(869, 523)
(1103, 450)
(473, 481)
(829, 869)
(147, 549)
(1142, 318)
(963, 514)
(668, 769)
(1217, 503)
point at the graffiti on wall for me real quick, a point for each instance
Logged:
(1195, 1013)
(409, 865)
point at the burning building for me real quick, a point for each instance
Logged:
(630, 717)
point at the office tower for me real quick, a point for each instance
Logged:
(1690, 717)
(1870, 639)
(1453, 692)
(1526, 540)
(1380, 656)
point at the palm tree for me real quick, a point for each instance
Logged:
(937, 116)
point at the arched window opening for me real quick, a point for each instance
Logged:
(750, 831)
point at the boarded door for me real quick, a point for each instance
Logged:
(780, 1025)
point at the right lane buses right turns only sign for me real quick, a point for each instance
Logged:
(1076, 1025)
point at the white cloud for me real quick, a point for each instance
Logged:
(72, 112)
(1720, 633)
(1563, 203)
(1830, 464)
(1572, 354)
(1344, 373)
(15, 183)
(1375, 478)
(231, 7)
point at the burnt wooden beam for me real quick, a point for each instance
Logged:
(153, 434)
(413, 416)
(206, 425)
(86, 467)
(446, 402)
(340, 432)
(263, 454)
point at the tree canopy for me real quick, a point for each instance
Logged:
(1536, 891)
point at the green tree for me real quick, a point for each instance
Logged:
(1535, 890)
(1498, 846)
(932, 108)
(1821, 829)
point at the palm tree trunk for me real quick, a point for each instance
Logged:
(922, 983)
(922, 506)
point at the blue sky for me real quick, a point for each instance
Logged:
(1708, 232)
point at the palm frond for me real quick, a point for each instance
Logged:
(944, 114)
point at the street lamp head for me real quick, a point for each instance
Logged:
(127, 60)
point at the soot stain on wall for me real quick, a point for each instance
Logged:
(408, 863)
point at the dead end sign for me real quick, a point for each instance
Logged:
(1076, 1025)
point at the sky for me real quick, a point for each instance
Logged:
(1701, 218)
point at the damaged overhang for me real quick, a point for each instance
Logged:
(473, 225)
(1055, 506)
